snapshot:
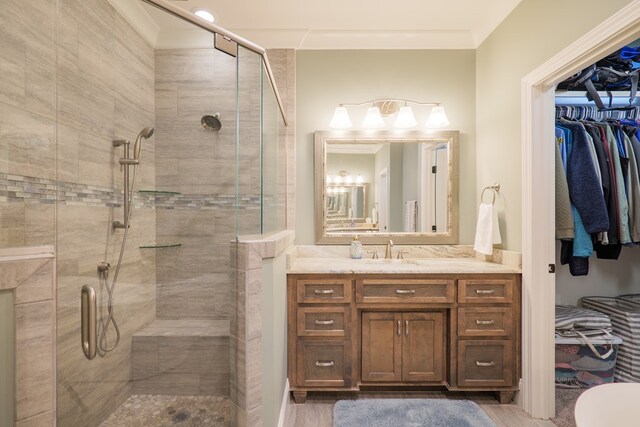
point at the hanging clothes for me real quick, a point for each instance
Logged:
(598, 166)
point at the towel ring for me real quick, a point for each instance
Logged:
(494, 189)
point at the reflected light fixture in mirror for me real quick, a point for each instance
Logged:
(385, 107)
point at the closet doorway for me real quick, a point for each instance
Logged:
(538, 200)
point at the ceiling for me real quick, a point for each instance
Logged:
(343, 24)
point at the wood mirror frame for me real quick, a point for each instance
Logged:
(449, 236)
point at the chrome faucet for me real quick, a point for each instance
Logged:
(387, 252)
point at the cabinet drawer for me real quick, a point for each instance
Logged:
(404, 290)
(323, 363)
(322, 321)
(484, 291)
(485, 363)
(478, 321)
(323, 290)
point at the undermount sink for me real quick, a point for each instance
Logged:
(387, 261)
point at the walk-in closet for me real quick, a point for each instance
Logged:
(597, 193)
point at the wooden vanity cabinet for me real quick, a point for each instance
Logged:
(390, 331)
(403, 347)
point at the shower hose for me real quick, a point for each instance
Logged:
(104, 281)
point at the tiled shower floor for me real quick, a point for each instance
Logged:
(142, 410)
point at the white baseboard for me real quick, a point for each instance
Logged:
(284, 405)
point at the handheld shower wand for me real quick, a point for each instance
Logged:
(103, 268)
(145, 133)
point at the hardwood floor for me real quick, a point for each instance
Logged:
(318, 411)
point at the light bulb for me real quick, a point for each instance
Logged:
(373, 119)
(340, 119)
(337, 179)
(405, 118)
(328, 179)
(204, 14)
(437, 118)
(348, 179)
(359, 179)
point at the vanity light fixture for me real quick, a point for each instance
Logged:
(373, 119)
(340, 119)
(437, 118)
(405, 118)
(385, 107)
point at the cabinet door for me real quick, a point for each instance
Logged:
(423, 347)
(381, 346)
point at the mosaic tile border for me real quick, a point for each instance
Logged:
(26, 189)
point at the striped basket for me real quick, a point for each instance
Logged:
(625, 318)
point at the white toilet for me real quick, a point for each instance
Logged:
(616, 404)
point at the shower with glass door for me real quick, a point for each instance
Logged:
(147, 224)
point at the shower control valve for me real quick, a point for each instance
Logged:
(103, 266)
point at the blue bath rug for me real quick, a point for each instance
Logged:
(409, 413)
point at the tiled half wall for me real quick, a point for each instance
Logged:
(30, 274)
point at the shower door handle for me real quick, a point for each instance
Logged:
(88, 321)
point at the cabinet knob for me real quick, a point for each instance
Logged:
(485, 364)
(323, 291)
(324, 364)
(324, 322)
(485, 322)
(485, 291)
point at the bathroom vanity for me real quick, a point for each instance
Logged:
(440, 323)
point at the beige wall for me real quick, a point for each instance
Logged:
(327, 78)
(274, 332)
(6, 356)
(532, 34)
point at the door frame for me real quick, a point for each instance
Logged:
(537, 395)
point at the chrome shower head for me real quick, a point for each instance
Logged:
(211, 122)
(145, 133)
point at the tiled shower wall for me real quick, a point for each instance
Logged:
(194, 279)
(75, 76)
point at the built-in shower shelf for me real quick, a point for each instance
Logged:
(172, 245)
(173, 193)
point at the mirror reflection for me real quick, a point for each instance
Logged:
(387, 186)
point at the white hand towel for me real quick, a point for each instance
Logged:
(410, 216)
(487, 230)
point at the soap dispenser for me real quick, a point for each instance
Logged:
(356, 248)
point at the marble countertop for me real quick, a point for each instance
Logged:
(394, 266)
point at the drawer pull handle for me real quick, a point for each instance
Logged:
(485, 291)
(322, 364)
(485, 364)
(405, 291)
(485, 322)
(323, 291)
(406, 327)
(399, 333)
(324, 322)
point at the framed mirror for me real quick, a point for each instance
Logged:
(381, 185)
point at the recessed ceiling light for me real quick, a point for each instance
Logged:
(203, 13)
